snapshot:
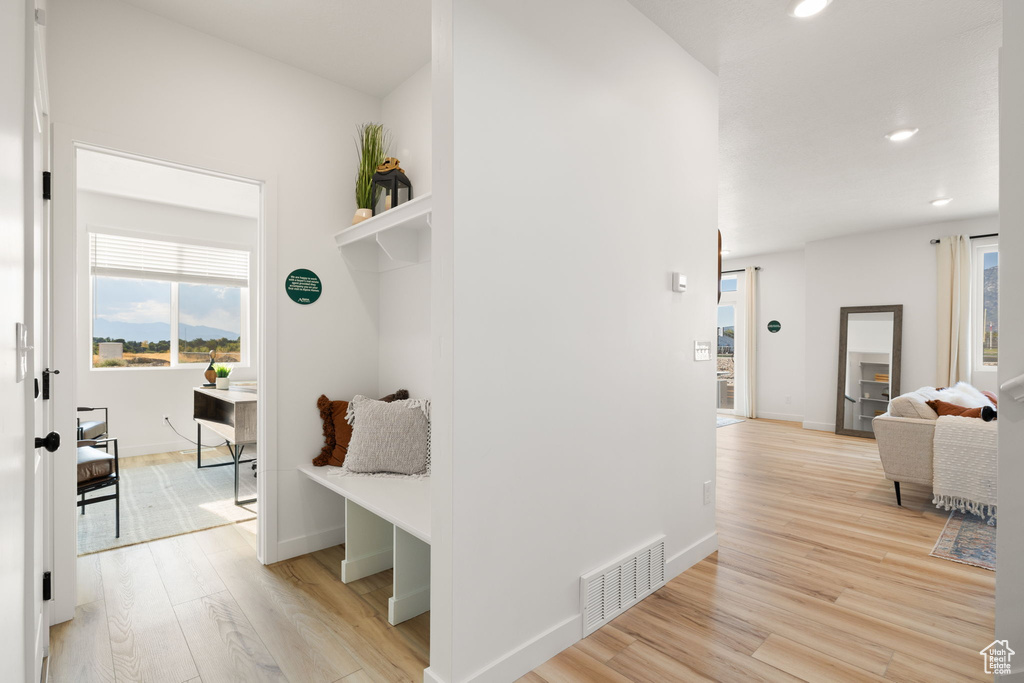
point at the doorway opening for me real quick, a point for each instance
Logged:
(166, 345)
(730, 346)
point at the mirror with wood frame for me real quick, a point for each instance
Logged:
(870, 340)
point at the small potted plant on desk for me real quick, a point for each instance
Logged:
(223, 372)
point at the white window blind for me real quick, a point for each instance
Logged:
(134, 257)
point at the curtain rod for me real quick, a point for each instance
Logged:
(973, 237)
(739, 270)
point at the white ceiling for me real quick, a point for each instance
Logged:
(369, 45)
(805, 105)
(153, 182)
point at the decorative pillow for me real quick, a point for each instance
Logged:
(963, 394)
(911, 405)
(388, 437)
(338, 431)
(986, 413)
(992, 397)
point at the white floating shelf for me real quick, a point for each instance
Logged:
(391, 239)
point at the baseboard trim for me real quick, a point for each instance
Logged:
(543, 647)
(431, 677)
(819, 426)
(150, 449)
(784, 417)
(532, 653)
(301, 545)
(686, 558)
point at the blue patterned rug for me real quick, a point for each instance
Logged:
(723, 421)
(967, 539)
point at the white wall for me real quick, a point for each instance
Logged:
(873, 268)
(583, 428)
(405, 111)
(780, 355)
(1010, 569)
(405, 360)
(122, 71)
(138, 424)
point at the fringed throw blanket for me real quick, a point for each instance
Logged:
(964, 466)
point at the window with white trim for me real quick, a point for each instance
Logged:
(985, 304)
(158, 303)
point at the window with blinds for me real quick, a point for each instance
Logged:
(134, 257)
(158, 303)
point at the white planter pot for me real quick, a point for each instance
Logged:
(223, 382)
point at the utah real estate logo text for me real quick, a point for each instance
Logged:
(997, 657)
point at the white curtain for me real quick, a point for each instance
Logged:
(953, 310)
(750, 327)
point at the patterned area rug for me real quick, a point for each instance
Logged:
(166, 500)
(724, 421)
(967, 539)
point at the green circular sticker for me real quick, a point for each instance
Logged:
(303, 286)
(774, 326)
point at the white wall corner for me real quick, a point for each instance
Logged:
(687, 557)
(302, 545)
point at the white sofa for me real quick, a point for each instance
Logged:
(906, 432)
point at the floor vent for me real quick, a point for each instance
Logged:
(608, 592)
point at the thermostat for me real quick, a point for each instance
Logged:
(678, 282)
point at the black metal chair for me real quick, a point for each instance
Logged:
(98, 469)
(93, 429)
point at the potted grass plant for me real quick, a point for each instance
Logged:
(372, 145)
(223, 372)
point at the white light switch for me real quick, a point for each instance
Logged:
(701, 350)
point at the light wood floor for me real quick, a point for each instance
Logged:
(819, 577)
(200, 607)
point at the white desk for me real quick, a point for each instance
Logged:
(231, 413)
(387, 525)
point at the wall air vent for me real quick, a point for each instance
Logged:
(607, 592)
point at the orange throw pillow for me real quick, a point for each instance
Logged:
(337, 432)
(944, 408)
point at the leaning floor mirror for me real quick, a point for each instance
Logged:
(869, 366)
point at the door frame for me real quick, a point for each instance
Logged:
(66, 140)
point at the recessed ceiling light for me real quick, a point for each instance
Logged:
(902, 134)
(802, 9)
(941, 201)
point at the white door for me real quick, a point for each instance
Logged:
(23, 627)
(37, 302)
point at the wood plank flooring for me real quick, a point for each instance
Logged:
(200, 607)
(819, 577)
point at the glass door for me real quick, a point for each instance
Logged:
(731, 346)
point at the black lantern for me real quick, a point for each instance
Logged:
(390, 177)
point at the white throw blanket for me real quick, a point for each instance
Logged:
(965, 465)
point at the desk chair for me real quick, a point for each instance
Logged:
(98, 469)
(93, 429)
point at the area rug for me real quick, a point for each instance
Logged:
(967, 539)
(725, 421)
(166, 500)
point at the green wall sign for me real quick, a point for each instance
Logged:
(774, 326)
(303, 286)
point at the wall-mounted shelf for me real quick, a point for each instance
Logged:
(392, 239)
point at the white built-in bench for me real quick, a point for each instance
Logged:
(387, 525)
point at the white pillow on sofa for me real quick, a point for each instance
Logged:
(912, 405)
(963, 394)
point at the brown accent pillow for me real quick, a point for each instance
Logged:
(943, 408)
(992, 397)
(337, 430)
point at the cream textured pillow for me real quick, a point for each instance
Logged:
(911, 405)
(388, 437)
